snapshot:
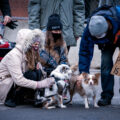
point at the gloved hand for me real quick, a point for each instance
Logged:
(12, 24)
(46, 82)
(7, 19)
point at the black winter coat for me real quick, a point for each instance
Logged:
(5, 7)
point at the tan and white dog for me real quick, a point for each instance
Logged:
(62, 74)
(86, 88)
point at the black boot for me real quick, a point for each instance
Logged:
(104, 101)
(10, 100)
(10, 103)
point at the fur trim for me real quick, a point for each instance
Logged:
(39, 33)
(29, 40)
(22, 36)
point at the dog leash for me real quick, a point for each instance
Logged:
(50, 96)
(72, 91)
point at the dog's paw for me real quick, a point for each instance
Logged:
(71, 103)
(96, 106)
(86, 107)
(62, 106)
(51, 107)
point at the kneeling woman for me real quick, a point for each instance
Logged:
(16, 64)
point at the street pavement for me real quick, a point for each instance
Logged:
(76, 111)
(72, 112)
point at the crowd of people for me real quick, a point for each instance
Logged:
(46, 43)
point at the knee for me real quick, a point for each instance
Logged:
(30, 75)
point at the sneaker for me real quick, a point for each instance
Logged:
(104, 102)
(10, 103)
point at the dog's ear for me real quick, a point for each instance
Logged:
(63, 69)
(97, 75)
(85, 75)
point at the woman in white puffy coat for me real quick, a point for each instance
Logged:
(13, 65)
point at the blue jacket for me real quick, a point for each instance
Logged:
(88, 41)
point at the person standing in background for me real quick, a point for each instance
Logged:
(6, 12)
(55, 52)
(87, 8)
(71, 13)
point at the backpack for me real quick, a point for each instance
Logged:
(111, 11)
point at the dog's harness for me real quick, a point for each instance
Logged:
(66, 82)
(57, 79)
(73, 91)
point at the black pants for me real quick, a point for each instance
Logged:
(87, 8)
(23, 95)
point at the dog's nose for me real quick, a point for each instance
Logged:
(91, 83)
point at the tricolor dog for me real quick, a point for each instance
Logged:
(62, 74)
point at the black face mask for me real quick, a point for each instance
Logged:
(56, 36)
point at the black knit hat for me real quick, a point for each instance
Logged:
(54, 22)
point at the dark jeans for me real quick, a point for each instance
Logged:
(87, 8)
(107, 80)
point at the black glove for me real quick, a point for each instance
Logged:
(12, 24)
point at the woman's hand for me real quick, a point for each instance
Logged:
(46, 82)
(7, 19)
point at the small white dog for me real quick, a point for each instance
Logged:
(62, 74)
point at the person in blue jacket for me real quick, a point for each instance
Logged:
(102, 29)
(55, 52)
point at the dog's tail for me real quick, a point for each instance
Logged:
(74, 67)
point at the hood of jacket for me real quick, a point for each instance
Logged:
(25, 39)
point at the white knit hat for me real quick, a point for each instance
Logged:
(98, 26)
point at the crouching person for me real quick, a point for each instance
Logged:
(21, 67)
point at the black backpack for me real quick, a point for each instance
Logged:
(111, 11)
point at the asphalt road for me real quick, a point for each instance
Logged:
(72, 112)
